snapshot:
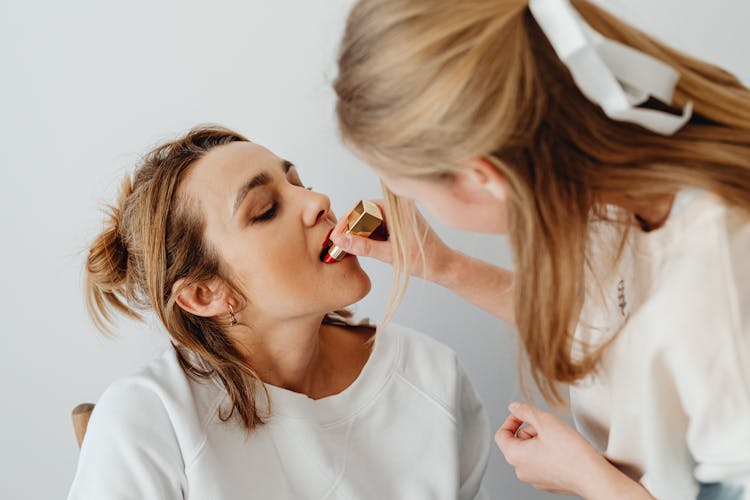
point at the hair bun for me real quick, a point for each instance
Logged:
(107, 263)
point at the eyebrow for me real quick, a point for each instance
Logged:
(262, 179)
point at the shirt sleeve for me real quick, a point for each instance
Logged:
(130, 450)
(474, 439)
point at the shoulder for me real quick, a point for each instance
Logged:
(704, 256)
(700, 261)
(136, 444)
(162, 381)
(704, 221)
(419, 349)
(720, 241)
(428, 367)
(699, 304)
(157, 401)
(146, 383)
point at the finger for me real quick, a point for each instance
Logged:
(527, 432)
(525, 412)
(507, 432)
(380, 203)
(365, 247)
(510, 446)
(340, 227)
(381, 233)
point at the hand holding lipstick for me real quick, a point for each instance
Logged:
(363, 221)
(438, 255)
(375, 245)
(473, 279)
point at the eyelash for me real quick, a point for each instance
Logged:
(268, 214)
(271, 212)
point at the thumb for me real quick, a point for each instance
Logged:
(525, 412)
(340, 227)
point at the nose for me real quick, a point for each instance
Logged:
(317, 206)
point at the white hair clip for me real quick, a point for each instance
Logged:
(610, 74)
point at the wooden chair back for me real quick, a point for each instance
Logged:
(81, 415)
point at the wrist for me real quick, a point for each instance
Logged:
(607, 481)
(599, 481)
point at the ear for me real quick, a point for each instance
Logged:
(203, 298)
(486, 176)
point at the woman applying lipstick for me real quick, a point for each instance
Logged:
(269, 392)
(619, 168)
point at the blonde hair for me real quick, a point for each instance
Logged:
(152, 238)
(425, 85)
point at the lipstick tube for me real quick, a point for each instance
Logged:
(363, 221)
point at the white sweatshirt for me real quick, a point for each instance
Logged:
(410, 427)
(670, 404)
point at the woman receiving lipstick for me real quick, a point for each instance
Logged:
(268, 391)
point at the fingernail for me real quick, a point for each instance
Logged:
(344, 241)
(513, 406)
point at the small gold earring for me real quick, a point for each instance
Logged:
(231, 315)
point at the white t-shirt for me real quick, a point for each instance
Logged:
(670, 404)
(410, 427)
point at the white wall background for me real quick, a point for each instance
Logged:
(87, 86)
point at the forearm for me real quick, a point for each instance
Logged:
(485, 285)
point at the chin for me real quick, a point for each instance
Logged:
(365, 289)
(355, 285)
(361, 285)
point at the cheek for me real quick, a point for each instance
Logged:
(277, 281)
(465, 212)
(435, 200)
(466, 216)
(264, 268)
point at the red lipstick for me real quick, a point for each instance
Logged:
(327, 244)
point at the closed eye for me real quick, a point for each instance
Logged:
(268, 214)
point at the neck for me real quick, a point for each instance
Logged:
(302, 355)
(286, 353)
(652, 212)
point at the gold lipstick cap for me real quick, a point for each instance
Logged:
(363, 221)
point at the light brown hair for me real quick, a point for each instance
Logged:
(425, 85)
(153, 237)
